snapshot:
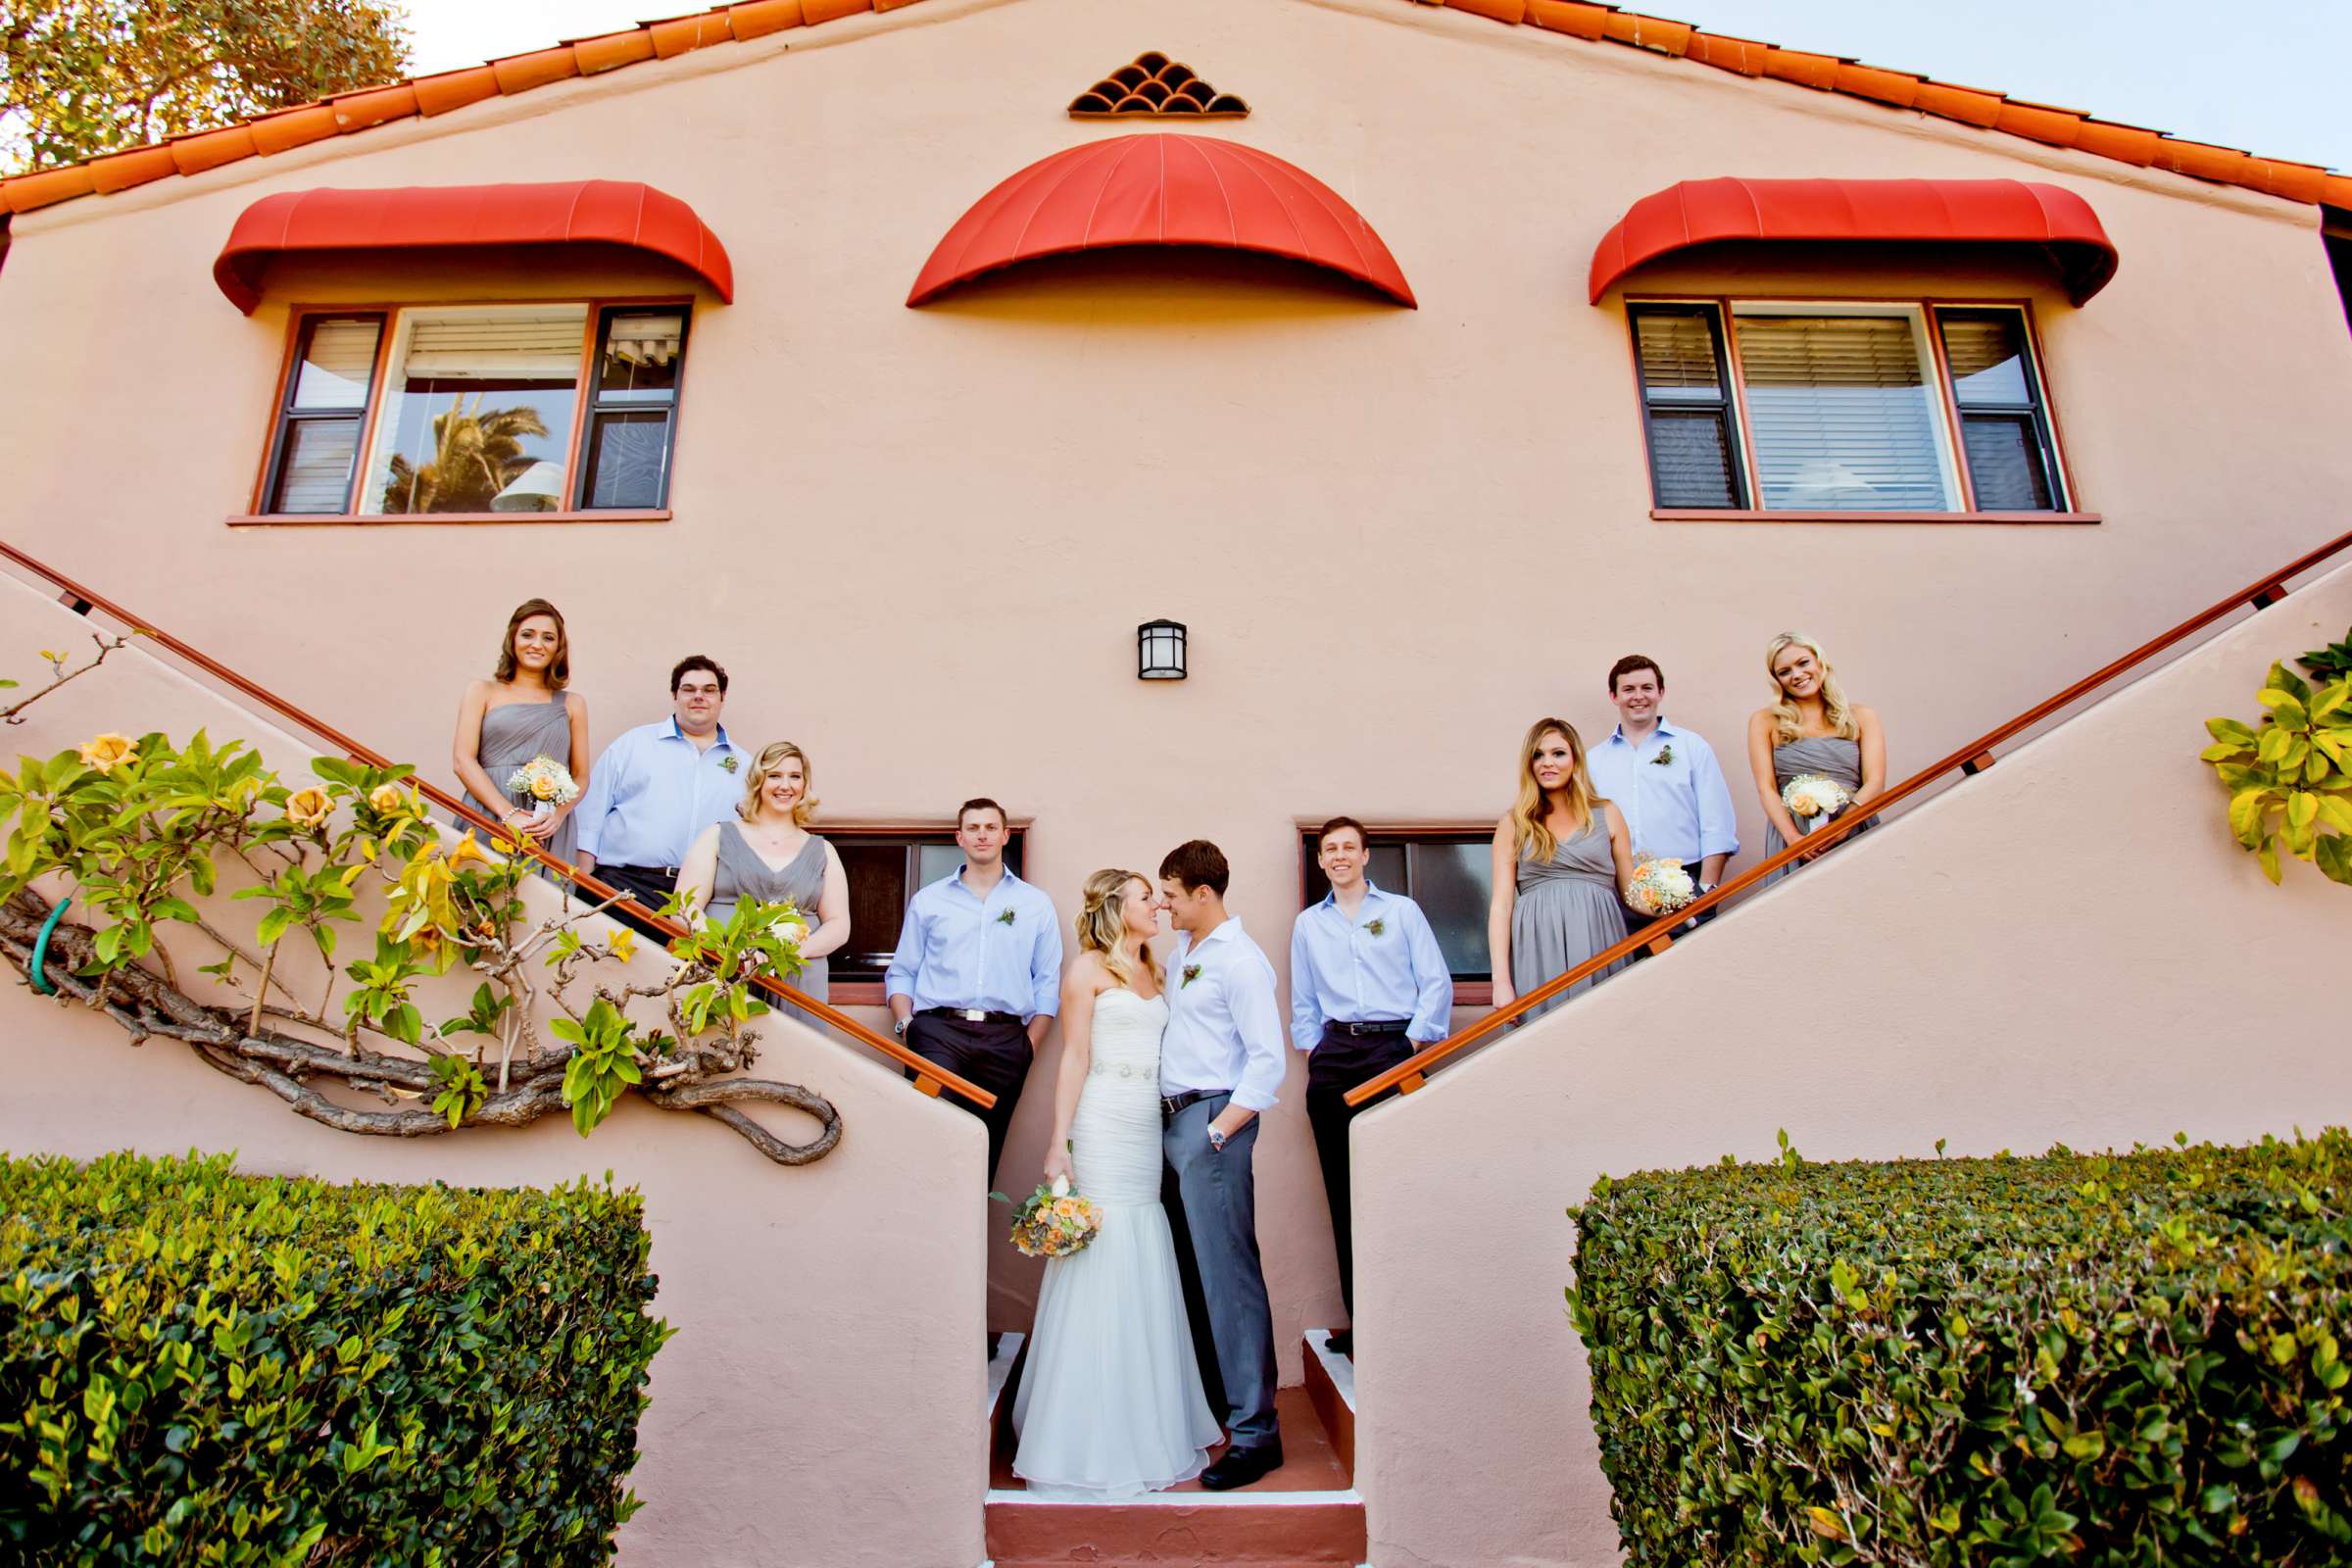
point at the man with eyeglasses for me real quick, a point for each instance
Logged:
(659, 785)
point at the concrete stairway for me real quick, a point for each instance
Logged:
(1304, 1515)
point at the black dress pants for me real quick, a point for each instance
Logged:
(1337, 1064)
(649, 885)
(994, 1054)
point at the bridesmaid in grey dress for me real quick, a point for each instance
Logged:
(1811, 728)
(521, 713)
(767, 855)
(1562, 859)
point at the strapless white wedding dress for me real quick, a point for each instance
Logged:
(1111, 1403)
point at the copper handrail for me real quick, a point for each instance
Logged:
(929, 1076)
(1974, 758)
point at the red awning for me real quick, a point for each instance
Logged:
(608, 211)
(1938, 211)
(1160, 189)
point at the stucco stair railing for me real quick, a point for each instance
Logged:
(927, 1076)
(1965, 763)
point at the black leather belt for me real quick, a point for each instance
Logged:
(1377, 1026)
(970, 1015)
(669, 871)
(1170, 1105)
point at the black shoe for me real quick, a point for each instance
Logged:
(1240, 1466)
(1342, 1343)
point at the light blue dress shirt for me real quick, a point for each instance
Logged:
(1680, 807)
(652, 792)
(1224, 1027)
(1343, 971)
(1002, 953)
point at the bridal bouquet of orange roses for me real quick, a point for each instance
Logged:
(1054, 1222)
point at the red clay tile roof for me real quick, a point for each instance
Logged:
(449, 90)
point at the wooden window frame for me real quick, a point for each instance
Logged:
(1466, 992)
(282, 425)
(1950, 442)
(599, 308)
(931, 830)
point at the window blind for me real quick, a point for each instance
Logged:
(315, 472)
(1841, 413)
(336, 365)
(538, 347)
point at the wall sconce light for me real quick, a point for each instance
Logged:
(1159, 650)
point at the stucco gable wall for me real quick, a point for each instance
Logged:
(922, 539)
(2069, 947)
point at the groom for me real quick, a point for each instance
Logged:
(1220, 1063)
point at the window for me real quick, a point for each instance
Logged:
(1687, 406)
(633, 406)
(324, 409)
(479, 410)
(1448, 872)
(1870, 408)
(2004, 425)
(886, 866)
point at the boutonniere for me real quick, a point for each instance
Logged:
(1377, 928)
(728, 762)
(1191, 972)
(1005, 919)
(1665, 756)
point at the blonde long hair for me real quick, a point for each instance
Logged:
(1103, 926)
(1535, 841)
(1787, 724)
(773, 756)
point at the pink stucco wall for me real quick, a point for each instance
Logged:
(813, 1409)
(2068, 949)
(922, 540)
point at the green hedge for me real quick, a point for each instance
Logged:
(2089, 1360)
(202, 1367)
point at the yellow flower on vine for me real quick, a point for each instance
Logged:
(107, 752)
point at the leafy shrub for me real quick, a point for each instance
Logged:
(202, 1367)
(2290, 781)
(2089, 1361)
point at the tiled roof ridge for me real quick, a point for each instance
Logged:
(367, 107)
(1986, 110)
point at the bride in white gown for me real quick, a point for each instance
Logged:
(1111, 1403)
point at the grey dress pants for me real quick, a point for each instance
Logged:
(1220, 1213)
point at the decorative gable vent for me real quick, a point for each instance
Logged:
(1155, 84)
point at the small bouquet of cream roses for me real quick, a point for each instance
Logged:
(1813, 799)
(1054, 1222)
(1659, 887)
(548, 784)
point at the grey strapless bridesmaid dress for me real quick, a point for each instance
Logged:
(512, 733)
(1567, 911)
(1827, 755)
(801, 882)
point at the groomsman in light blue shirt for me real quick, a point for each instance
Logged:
(1664, 779)
(657, 786)
(977, 975)
(1368, 985)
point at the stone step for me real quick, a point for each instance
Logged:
(1308, 1513)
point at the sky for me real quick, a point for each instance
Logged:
(2269, 81)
